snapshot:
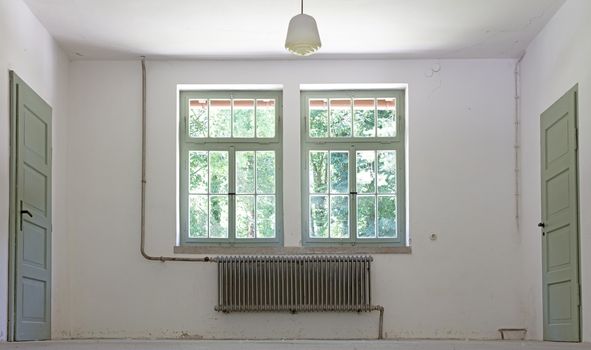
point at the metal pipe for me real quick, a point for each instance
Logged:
(143, 194)
(517, 142)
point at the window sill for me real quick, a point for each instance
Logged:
(250, 250)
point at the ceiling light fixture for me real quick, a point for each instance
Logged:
(302, 35)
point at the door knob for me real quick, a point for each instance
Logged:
(541, 224)
(26, 212)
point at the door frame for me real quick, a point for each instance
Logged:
(15, 82)
(575, 91)
(11, 316)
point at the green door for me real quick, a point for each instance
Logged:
(560, 231)
(30, 243)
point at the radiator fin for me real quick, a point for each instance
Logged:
(294, 283)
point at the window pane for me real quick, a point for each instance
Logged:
(318, 117)
(364, 120)
(319, 216)
(198, 216)
(218, 217)
(340, 117)
(387, 171)
(265, 216)
(245, 217)
(366, 216)
(197, 172)
(387, 217)
(243, 118)
(265, 172)
(198, 118)
(218, 172)
(265, 118)
(366, 173)
(220, 114)
(317, 171)
(245, 172)
(339, 216)
(339, 172)
(386, 117)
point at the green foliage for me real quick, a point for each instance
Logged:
(340, 122)
(220, 121)
(241, 118)
(339, 172)
(387, 216)
(265, 122)
(386, 123)
(366, 176)
(197, 122)
(318, 123)
(198, 170)
(218, 216)
(319, 216)
(265, 184)
(387, 171)
(265, 212)
(245, 217)
(245, 172)
(265, 176)
(364, 122)
(317, 165)
(218, 172)
(244, 122)
(339, 216)
(375, 170)
(197, 216)
(366, 216)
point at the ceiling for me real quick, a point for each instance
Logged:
(118, 29)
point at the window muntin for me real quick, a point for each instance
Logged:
(351, 117)
(353, 161)
(220, 118)
(230, 154)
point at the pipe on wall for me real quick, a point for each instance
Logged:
(143, 191)
(517, 142)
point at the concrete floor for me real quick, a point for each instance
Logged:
(290, 345)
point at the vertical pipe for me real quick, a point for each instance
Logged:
(219, 285)
(144, 182)
(369, 282)
(225, 269)
(517, 142)
(363, 285)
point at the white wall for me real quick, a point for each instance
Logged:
(556, 60)
(28, 49)
(464, 285)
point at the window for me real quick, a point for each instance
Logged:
(230, 167)
(353, 167)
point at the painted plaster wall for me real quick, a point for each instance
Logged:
(464, 285)
(556, 60)
(28, 49)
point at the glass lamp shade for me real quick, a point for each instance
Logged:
(302, 35)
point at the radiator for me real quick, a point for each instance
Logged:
(300, 283)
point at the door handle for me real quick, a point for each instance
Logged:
(542, 225)
(24, 211)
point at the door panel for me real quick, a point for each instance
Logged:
(30, 290)
(560, 236)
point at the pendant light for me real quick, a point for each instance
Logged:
(302, 34)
